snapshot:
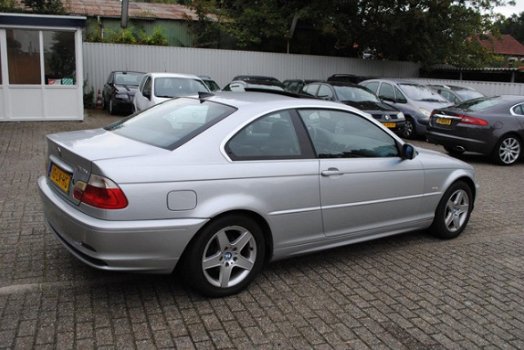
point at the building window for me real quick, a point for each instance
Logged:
(23, 53)
(59, 58)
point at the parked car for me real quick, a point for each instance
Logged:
(220, 185)
(296, 85)
(347, 78)
(415, 100)
(210, 83)
(359, 97)
(159, 87)
(456, 94)
(240, 85)
(493, 126)
(119, 91)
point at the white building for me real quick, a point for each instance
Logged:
(41, 67)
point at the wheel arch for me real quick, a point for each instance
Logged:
(259, 219)
(470, 183)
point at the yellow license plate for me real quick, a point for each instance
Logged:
(443, 121)
(61, 178)
(390, 125)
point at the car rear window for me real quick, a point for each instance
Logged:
(128, 78)
(480, 104)
(171, 124)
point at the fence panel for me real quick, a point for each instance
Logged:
(223, 65)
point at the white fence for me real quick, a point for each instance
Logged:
(223, 65)
(488, 88)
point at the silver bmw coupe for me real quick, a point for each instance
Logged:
(222, 184)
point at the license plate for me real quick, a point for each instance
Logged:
(61, 178)
(390, 125)
(443, 121)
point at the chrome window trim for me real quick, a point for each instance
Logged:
(512, 109)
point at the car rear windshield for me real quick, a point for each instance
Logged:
(480, 104)
(171, 124)
(128, 78)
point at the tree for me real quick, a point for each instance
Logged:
(426, 31)
(8, 6)
(513, 25)
(54, 7)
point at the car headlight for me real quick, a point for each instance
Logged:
(425, 112)
(400, 116)
(122, 96)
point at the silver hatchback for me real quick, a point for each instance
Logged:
(220, 185)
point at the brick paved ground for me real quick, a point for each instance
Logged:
(407, 292)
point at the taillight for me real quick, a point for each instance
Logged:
(466, 119)
(100, 192)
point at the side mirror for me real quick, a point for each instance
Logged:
(408, 151)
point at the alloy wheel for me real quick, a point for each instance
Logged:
(457, 209)
(509, 150)
(229, 256)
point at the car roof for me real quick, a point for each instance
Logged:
(393, 80)
(241, 99)
(173, 75)
(342, 83)
(127, 71)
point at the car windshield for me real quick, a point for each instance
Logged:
(177, 87)
(480, 104)
(468, 94)
(128, 78)
(354, 94)
(421, 93)
(169, 125)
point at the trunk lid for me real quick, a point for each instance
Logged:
(71, 155)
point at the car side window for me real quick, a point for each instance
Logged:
(146, 91)
(387, 92)
(270, 137)
(311, 89)
(339, 134)
(519, 109)
(373, 86)
(110, 78)
(399, 96)
(324, 92)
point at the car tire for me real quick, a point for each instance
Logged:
(225, 256)
(453, 211)
(508, 150)
(453, 151)
(409, 130)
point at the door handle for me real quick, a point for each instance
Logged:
(331, 172)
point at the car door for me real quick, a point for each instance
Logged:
(366, 188)
(275, 162)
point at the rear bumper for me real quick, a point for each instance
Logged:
(477, 145)
(153, 246)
